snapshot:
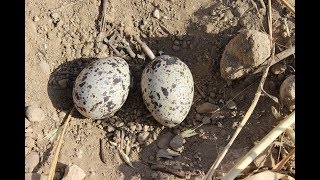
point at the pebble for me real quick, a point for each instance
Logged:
(278, 68)
(133, 127)
(175, 48)
(31, 161)
(73, 172)
(156, 14)
(145, 127)
(142, 137)
(36, 19)
(206, 120)
(177, 142)
(206, 108)
(34, 114)
(29, 142)
(232, 105)
(198, 117)
(110, 128)
(139, 127)
(63, 83)
(44, 67)
(62, 114)
(164, 140)
(55, 16)
(287, 92)
(26, 123)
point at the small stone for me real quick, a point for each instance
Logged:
(154, 175)
(26, 123)
(176, 42)
(206, 120)
(110, 128)
(133, 127)
(145, 127)
(142, 137)
(207, 108)
(73, 172)
(198, 117)
(284, 34)
(62, 114)
(139, 127)
(175, 48)
(119, 124)
(278, 68)
(31, 161)
(63, 83)
(44, 67)
(55, 16)
(177, 142)
(29, 142)
(156, 13)
(287, 92)
(35, 114)
(232, 105)
(35, 18)
(164, 140)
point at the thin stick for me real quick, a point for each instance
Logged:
(214, 166)
(277, 58)
(144, 47)
(57, 152)
(278, 166)
(288, 5)
(260, 147)
(104, 4)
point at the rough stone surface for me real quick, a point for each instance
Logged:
(287, 92)
(73, 172)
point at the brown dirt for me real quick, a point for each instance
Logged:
(203, 27)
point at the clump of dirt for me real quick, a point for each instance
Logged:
(243, 53)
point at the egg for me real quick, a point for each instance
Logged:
(167, 89)
(102, 87)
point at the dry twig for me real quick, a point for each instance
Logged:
(260, 147)
(104, 4)
(214, 166)
(57, 152)
(288, 5)
(144, 47)
(102, 153)
(278, 166)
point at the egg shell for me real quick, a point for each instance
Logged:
(102, 87)
(167, 89)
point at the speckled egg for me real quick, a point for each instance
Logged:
(102, 87)
(167, 89)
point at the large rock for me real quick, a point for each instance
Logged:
(31, 161)
(243, 53)
(34, 114)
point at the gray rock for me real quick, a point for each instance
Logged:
(44, 67)
(73, 172)
(177, 142)
(142, 137)
(164, 140)
(31, 161)
(287, 92)
(206, 108)
(34, 114)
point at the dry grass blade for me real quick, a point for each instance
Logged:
(288, 5)
(125, 158)
(278, 166)
(57, 152)
(260, 147)
(144, 47)
(214, 166)
(190, 132)
(104, 4)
